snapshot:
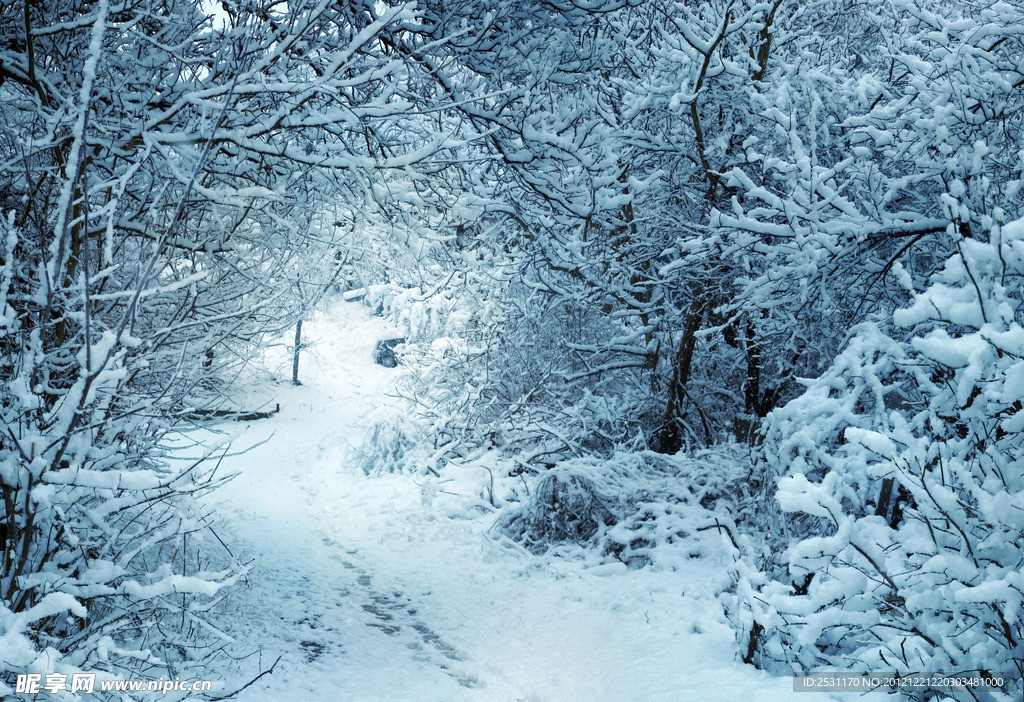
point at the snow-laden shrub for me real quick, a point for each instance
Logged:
(566, 505)
(683, 507)
(420, 316)
(641, 508)
(909, 456)
(392, 443)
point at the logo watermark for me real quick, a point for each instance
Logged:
(35, 683)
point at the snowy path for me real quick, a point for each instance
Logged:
(308, 598)
(385, 588)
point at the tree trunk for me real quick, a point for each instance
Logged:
(669, 438)
(757, 402)
(295, 354)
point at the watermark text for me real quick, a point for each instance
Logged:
(35, 683)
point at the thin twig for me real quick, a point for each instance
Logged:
(250, 683)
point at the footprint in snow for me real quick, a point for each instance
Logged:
(313, 650)
(393, 616)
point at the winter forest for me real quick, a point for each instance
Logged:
(511, 350)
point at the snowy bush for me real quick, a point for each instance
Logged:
(909, 455)
(640, 508)
(566, 505)
(392, 444)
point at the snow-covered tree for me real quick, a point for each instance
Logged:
(878, 216)
(868, 114)
(600, 169)
(906, 454)
(162, 177)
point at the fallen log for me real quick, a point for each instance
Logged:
(237, 415)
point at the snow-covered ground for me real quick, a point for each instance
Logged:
(389, 588)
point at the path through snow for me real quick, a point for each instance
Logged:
(386, 588)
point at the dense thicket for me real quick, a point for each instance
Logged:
(686, 211)
(172, 188)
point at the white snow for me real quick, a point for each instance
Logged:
(389, 588)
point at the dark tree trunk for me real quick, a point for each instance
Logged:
(758, 398)
(669, 438)
(295, 356)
